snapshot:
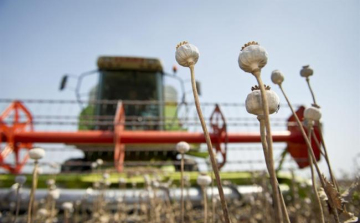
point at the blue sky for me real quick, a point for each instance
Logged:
(42, 40)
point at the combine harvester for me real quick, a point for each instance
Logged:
(132, 122)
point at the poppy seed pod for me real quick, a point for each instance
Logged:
(14, 187)
(36, 153)
(99, 162)
(277, 77)
(312, 113)
(96, 185)
(50, 182)
(306, 71)
(93, 165)
(203, 180)
(68, 206)
(55, 194)
(186, 54)
(122, 180)
(253, 101)
(252, 57)
(42, 212)
(89, 191)
(182, 147)
(106, 176)
(20, 179)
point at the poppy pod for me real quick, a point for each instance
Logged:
(203, 180)
(54, 194)
(186, 54)
(253, 101)
(99, 162)
(42, 212)
(277, 77)
(36, 153)
(252, 57)
(306, 71)
(182, 147)
(312, 113)
(68, 206)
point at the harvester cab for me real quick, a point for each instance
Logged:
(148, 104)
(126, 79)
(133, 79)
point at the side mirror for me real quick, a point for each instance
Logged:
(63, 82)
(198, 87)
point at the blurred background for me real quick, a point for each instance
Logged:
(40, 41)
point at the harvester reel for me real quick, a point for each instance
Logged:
(15, 111)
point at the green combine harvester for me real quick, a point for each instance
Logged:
(132, 121)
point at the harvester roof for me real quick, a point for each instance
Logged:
(129, 63)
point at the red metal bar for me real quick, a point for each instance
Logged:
(119, 150)
(141, 137)
(21, 136)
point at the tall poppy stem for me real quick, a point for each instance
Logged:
(311, 152)
(310, 129)
(269, 140)
(182, 188)
(209, 146)
(32, 192)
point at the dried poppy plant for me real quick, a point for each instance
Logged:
(277, 80)
(306, 72)
(203, 181)
(252, 59)
(36, 154)
(187, 55)
(311, 115)
(182, 148)
(20, 180)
